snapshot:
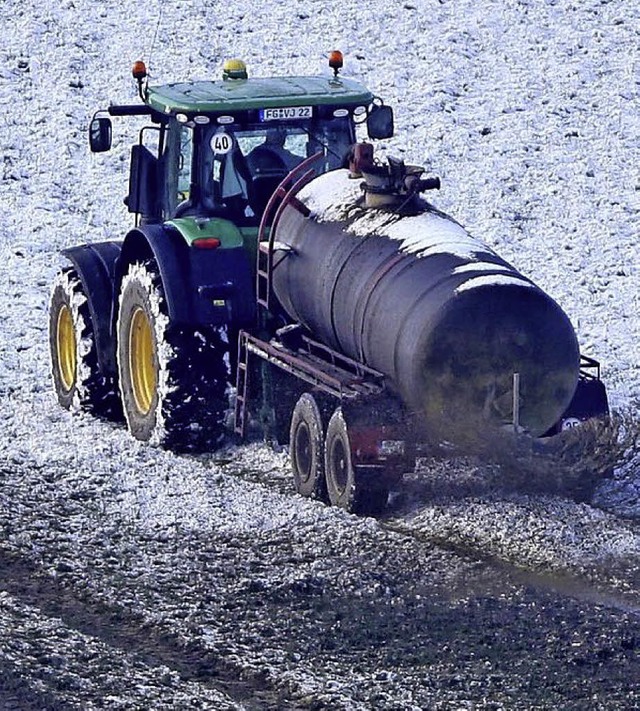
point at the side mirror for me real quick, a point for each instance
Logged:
(380, 122)
(100, 134)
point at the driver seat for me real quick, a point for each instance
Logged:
(267, 170)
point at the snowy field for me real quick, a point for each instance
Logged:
(529, 111)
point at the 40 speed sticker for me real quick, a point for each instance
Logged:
(292, 113)
(221, 143)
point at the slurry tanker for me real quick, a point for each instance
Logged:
(271, 250)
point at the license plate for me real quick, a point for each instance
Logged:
(391, 447)
(287, 113)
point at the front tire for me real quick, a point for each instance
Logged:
(78, 382)
(172, 379)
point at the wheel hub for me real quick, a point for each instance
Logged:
(303, 451)
(66, 348)
(339, 462)
(142, 361)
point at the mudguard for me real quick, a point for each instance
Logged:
(96, 266)
(202, 286)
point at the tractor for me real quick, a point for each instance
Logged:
(145, 326)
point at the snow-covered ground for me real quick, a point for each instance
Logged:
(529, 112)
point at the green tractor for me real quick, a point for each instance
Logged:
(146, 327)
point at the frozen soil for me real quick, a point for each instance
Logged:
(107, 604)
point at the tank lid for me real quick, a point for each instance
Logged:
(394, 185)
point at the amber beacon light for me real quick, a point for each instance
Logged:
(140, 73)
(336, 61)
(234, 69)
(139, 70)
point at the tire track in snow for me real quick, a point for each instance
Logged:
(113, 639)
(319, 610)
(544, 540)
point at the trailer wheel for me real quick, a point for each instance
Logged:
(343, 487)
(77, 379)
(172, 379)
(306, 444)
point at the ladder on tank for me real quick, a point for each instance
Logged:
(242, 386)
(284, 194)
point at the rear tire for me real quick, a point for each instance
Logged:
(306, 446)
(77, 379)
(172, 379)
(343, 485)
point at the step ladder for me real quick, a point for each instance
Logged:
(284, 194)
(242, 386)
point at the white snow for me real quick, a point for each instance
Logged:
(428, 234)
(332, 197)
(475, 267)
(494, 279)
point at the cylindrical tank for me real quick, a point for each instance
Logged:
(443, 317)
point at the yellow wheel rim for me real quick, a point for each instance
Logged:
(66, 348)
(142, 361)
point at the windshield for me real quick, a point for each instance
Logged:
(242, 165)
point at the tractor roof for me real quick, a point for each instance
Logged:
(255, 93)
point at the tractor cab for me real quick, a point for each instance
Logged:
(232, 170)
(220, 148)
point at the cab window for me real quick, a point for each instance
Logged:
(184, 163)
(247, 162)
